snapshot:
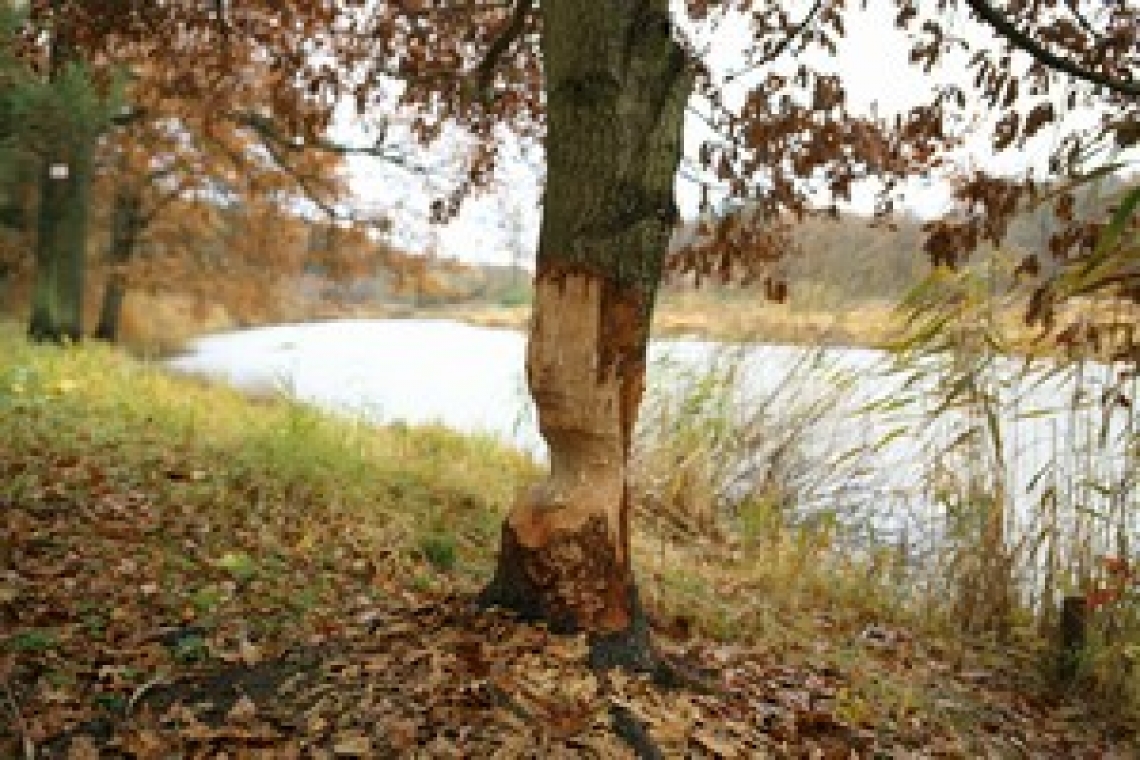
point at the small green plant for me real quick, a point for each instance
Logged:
(95, 624)
(58, 678)
(422, 583)
(303, 600)
(111, 702)
(439, 550)
(191, 649)
(33, 641)
(207, 599)
(239, 565)
(760, 516)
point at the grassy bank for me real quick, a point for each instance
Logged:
(736, 317)
(744, 316)
(187, 570)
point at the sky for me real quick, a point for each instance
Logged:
(501, 226)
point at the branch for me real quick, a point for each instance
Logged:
(240, 163)
(780, 49)
(512, 31)
(716, 22)
(712, 125)
(268, 131)
(303, 181)
(1082, 20)
(164, 200)
(1004, 27)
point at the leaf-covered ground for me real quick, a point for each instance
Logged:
(187, 573)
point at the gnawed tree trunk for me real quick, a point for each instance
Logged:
(126, 222)
(617, 84)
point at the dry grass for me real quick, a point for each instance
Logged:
(740, 319)
(747, 317)
(163, 324)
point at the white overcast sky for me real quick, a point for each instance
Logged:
(503, 224)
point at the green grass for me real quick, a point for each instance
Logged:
(237, 491)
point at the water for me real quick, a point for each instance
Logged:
(471, 378)
(386, 370)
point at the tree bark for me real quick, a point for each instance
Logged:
(617, 83)
(61, 244)
(61, 240)
(126, 223)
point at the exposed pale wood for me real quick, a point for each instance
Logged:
(578, 414)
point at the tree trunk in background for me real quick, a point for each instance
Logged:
(617, 85)
(61, 244)
(126, 221)
(65, 189)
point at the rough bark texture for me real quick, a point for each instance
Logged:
(125, 225)
(617, 84)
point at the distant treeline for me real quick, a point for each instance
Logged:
(853, 259)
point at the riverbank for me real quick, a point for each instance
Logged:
(162, 324)
(739, 318)
(185, 570)
(165, 323)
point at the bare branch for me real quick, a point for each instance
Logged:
(163, 201)
(1004, 27)
(1082, 20)
(512, 31)
(303, 181)
(268, 131)
(781, 48)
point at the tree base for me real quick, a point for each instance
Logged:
(629, 647)
(525, 584)
(588, 594)
(43, 330)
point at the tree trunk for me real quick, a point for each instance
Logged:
(65, 184)
(617, 84)
(112, 306)
(126, 222)
(61, 244)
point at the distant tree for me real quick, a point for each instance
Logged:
(155, 168)
(231, 93)
(54, 111)
(17, 165)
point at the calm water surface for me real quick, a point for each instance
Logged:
(471, 378)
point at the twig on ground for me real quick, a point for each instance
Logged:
(141, 691)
